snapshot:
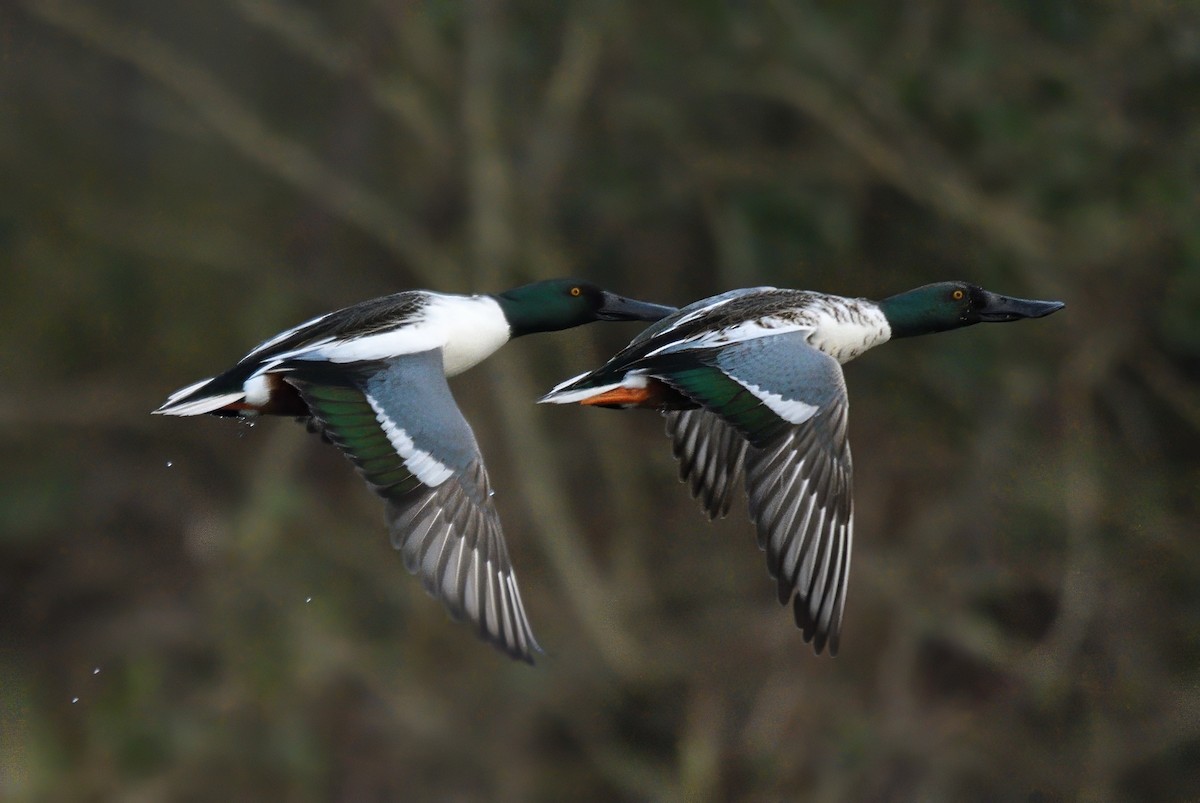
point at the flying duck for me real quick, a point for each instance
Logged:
(751, 384)
(371, 379)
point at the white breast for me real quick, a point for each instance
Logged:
(472, 327)
(850, 330)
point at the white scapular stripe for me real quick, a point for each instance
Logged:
(424, 466)
(284, 335)
(467, 329)
(739, 333)
(793, 411)
(707, 309)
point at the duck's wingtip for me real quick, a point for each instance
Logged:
(529, 656)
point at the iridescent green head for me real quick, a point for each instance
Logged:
(555, 304)
(953, 305)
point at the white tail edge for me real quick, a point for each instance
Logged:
(181, 402)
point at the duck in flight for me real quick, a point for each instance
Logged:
(751, 384)
(371, 378)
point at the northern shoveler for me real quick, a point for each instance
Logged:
(751, 385)
(371, 378)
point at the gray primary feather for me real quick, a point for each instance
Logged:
(710, 454)
(801, 502)
(787, 365)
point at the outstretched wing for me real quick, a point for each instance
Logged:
(399, 424)
(788, 401)
(710, 454)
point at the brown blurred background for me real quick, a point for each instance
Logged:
(198, 610)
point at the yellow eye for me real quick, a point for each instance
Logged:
(957, 295)
(575, 291)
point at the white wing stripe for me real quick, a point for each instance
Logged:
(793, 411)
(424, 466)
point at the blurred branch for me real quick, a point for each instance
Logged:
(432, 55)
(699, 744)
(116, 404)
(301, 31)
(558, 530)
(258, 526)
(630, 770)
(240, 127)
(489, 185)
(1171, 389)
(158, 235)
(257, 571)
(913, 172)
(551, 144)
(1177, 725)
(572, 79)
(494, 249)
(892, 143)
(1083, 501)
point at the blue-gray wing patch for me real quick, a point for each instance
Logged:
(789, 376)
(399, 424)
(413, 403)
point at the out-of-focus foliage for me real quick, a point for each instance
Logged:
(196, 610)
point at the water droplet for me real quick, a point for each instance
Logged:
(169, 464)
(491, 493)
(96, 671)
(74, 700)
(308, 599)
